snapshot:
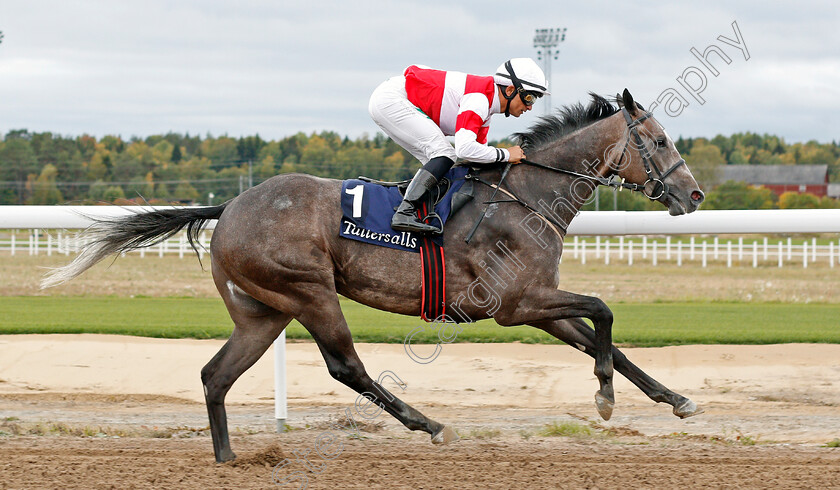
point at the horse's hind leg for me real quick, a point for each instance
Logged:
(326, 323)
(577, 333)
(256, 327)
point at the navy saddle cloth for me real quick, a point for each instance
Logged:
(367, 209)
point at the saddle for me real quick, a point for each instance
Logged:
(462, 196)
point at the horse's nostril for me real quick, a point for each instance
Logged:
(698, 196)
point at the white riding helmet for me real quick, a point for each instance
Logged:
(524, 73)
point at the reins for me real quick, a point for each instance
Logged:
(614, 181)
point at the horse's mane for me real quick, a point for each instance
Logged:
(565, 120)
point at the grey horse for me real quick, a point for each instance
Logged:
(276, 255)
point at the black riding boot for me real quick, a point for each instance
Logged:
(405, 219)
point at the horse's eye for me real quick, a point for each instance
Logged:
(661, 143)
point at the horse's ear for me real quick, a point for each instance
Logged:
(628, 101)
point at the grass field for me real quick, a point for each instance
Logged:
(653, 306)
(640, 283)
(637, 324)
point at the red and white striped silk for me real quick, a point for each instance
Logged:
(461, 105)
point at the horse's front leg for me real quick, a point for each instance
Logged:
(577, 333)
(542, 305)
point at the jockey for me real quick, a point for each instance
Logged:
(421, 107)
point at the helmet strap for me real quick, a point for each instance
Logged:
(509, 99)
(517, 85)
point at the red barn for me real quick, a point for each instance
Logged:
(805, 179)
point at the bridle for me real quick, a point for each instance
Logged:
(654, 187)
(658, 186)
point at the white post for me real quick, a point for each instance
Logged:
(13, 242)
(691, 249)
(814, 249)
(630, 252)
(729, 253)
(704, 253)
(781, 254)
(67, 244)
(607, 252)
(575, 247)
(654, 252)
(621, 247)
(280, 405)
(755, 254)
(679, 253)
(644, 247)
(37, 234)
(740, 248)
(805, 255)
(49, 244)
(790, 248)
(765, 248)
(716, 248)
(831, 254)
(58, 244)
(181, 246)
(583, 251)
(160, 248)
(143, 252)
(668, 248)
(597, 247)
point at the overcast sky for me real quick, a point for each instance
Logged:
(282, 66)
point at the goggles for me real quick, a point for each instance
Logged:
(529, 97)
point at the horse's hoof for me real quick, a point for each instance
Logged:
(604, 406)
(226, 456)
(445, 436)
(687, 409)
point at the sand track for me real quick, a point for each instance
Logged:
(82, 390)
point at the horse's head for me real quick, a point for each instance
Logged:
(647, 156)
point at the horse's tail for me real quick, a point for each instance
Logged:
(116, 235)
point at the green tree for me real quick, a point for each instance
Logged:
(162, 153)
(17, 162)
(266, 169)
(795, 200)
(738, 157)
(828, 203)
(249, 148)
(706, 163)
(44, 190)
(221, 151)
(113, 193)
(317, 156)
(86, 145)
(176, 154)
(394, 167)
(185, 192)
(739, 195)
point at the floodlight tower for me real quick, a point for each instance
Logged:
(545, 42)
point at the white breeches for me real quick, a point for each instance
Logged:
(406, 124)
